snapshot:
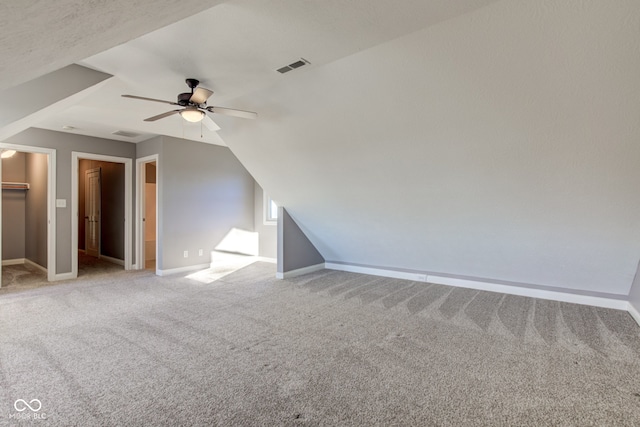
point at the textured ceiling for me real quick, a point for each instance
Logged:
(233, 48)
(40, 36)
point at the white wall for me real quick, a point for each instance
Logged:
(268, 232)
(502, 144)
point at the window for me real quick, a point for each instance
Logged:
(270, 211)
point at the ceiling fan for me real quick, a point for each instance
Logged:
(195, 107)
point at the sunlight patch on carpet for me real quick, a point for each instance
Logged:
(221, 265)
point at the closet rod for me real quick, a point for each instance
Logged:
(15, 185)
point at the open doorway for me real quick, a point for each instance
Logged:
(27, 224)
(147, 213)
(101, 199)
(150, 215)
(100, 217)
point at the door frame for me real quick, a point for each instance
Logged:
(51, 203)
(76, 156)
(140, 199)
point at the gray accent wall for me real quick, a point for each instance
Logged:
(13, 208)
(634, 294)
(295, 251)
(65, 143)
(203, 192)
(37, 170)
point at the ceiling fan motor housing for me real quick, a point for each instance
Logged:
(183, 99)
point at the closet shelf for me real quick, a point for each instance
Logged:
(15, 185)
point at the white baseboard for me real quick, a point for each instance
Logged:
(300, 271)
(634, 313)
(265, 259)
(16, 261)
(596, 301)
(64, 276)
(33, 264)
(112, 260)
(375, 271)
(181, 269)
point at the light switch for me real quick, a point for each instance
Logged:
(61, 203)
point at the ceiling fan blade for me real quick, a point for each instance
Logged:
(162, 116)
(231, 112)
(200, 95)
(210, 124)
(150, 99)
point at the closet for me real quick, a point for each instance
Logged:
(24, 209)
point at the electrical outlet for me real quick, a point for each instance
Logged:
(422, 277)
(186, 254)
(200, 252)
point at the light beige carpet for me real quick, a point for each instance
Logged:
(329, 348)
(222, 264)
(22, 277)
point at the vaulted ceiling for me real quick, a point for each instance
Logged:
(232, 47)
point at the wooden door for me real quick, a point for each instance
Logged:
(92, 212)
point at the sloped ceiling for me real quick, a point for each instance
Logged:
(501, 144)
(41, 36)
(233, 48)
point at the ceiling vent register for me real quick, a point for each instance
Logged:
(126, 134)
(293, 66)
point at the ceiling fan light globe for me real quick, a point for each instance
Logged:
(192, 115)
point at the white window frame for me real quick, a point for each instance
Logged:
(267, 213)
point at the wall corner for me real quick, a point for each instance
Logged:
(296, 254)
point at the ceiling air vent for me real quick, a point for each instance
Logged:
(293, 66)
(125, 134)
